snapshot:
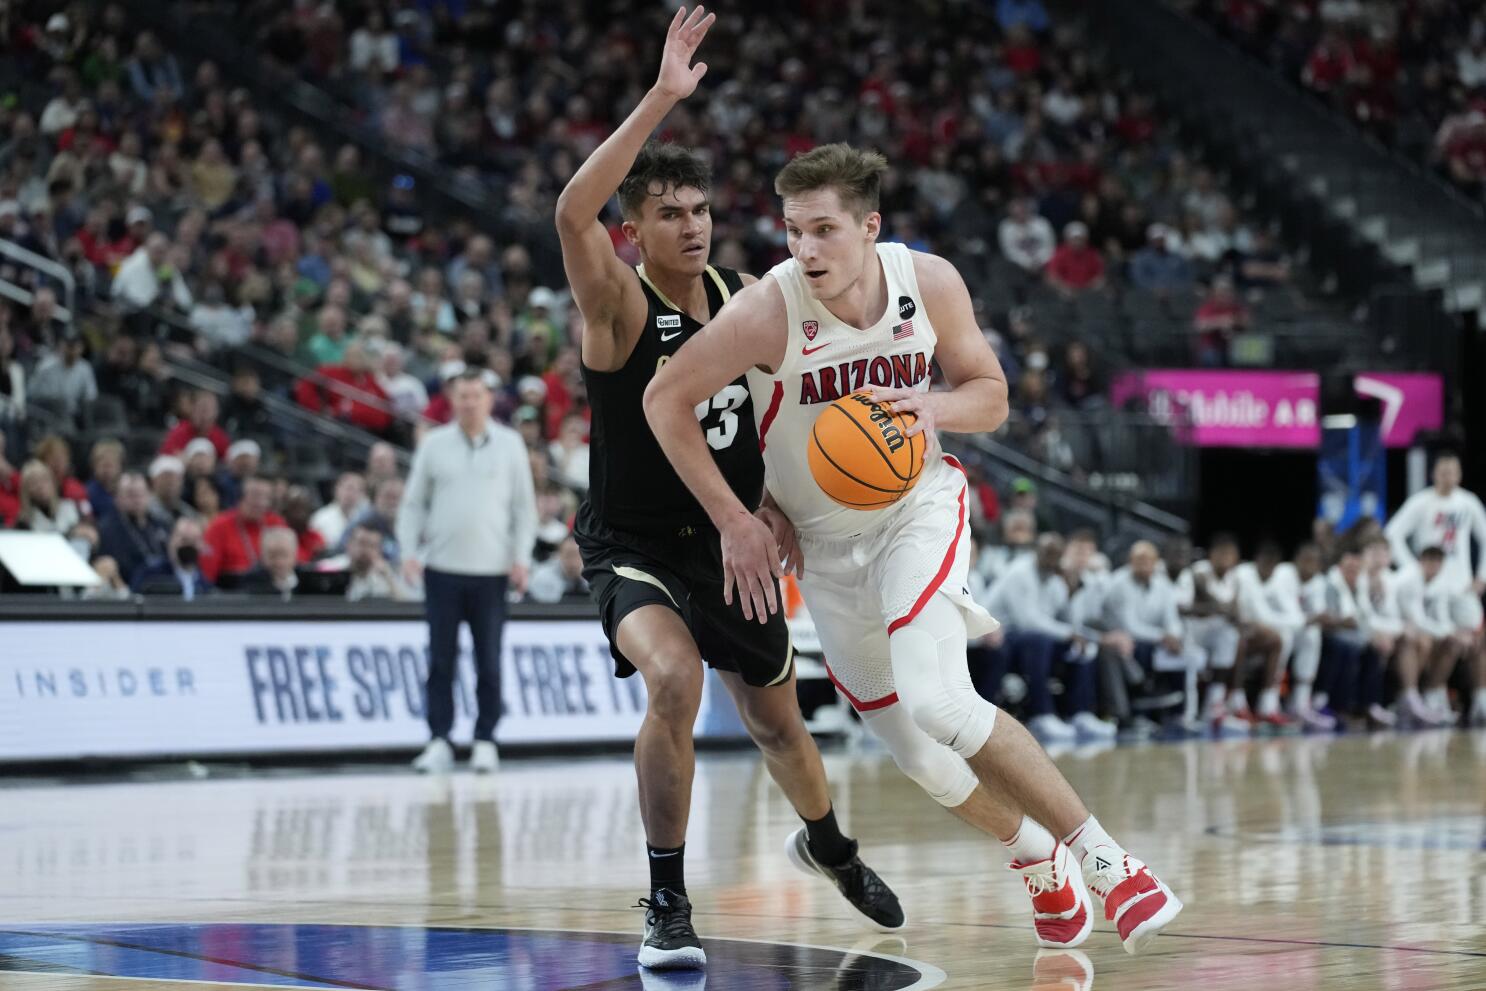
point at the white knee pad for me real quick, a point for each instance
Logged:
(933, 679)
(937, 769)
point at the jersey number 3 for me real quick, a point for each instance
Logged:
(719, 416)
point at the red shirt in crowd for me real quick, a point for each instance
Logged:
(184, 433)
(234, 543)
(439, 409)
(1075, 267)
(354, 409)
(310, 544)
(10, 498)
(1328, 66)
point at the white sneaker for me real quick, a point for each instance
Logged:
(1089, 725)
(484, 759)
(436, 758)
(1381, 717)
(1137, 902)
(1312, 720)
(1051, 729)
(1227, 723)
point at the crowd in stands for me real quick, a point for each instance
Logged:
(199, 225)
(1413, 74)
(1366, 629)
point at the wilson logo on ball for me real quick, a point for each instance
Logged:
(860, 453)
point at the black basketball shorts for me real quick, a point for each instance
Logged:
(682, 572)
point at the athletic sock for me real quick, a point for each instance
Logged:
(1437, 699)
(1300, 697)
(1087, 836)
(667, 868)
(1478, 700)
(1269, 702)
(1216, 694)
(1031, 842)
(1237, 700)
(827, 844)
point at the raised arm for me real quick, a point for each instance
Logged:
(976, 401)
(606, 291)
(748, 332)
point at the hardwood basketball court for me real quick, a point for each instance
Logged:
(1358, 862)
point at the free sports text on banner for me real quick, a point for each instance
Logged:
(262, 687)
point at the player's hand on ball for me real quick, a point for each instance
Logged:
(678, 78)
(784, 535)
(920, 405)
(750, 560)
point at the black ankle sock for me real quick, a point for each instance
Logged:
(827, 843)
(667, 868)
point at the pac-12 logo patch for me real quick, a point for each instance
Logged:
(906, 307)
(811, 328)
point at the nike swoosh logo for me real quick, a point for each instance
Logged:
(662, 856)
(667, 337)
(810, 350)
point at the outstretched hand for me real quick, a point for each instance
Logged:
(678, 78)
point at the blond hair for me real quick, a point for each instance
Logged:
(854, 174)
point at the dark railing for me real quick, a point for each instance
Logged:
(1133, 475)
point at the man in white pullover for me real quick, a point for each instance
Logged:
(466, 526)
(1444, 516)
(1269, 607)
(1207, 597)
(1355, 688)
(1029, 598)
(1432, 600)
(1142, 601)
(1383, 616)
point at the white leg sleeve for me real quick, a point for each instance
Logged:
(938, 770)
(933, 678)
(1307, 657)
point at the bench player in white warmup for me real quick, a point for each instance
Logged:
(887, 588)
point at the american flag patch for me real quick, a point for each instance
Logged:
(903, 331)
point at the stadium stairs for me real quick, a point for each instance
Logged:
(1390, 235)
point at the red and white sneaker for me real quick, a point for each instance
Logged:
(1062, 913)
(1134, 900)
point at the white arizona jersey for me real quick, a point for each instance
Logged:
(824, 360)
(1428, 519)
(1273, 602)
(1222, 589)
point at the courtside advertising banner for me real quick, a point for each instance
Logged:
(134, 689)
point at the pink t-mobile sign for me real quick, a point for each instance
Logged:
(1410, 401)
(1231, 409)
(1277, 409)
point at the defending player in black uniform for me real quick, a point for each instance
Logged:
(652, 557)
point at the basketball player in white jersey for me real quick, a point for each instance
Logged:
(887, 588)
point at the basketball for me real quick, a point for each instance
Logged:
(861, 455)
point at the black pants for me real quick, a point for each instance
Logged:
(479, 600)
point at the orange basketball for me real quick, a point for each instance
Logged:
(861, 455)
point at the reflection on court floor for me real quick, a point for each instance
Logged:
(415, 958)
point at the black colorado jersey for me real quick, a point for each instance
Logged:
(632, 487)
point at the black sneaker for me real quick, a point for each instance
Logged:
(859, 884)
(670, 942)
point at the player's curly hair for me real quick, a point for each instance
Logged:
(854, 173)
(659, 168)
